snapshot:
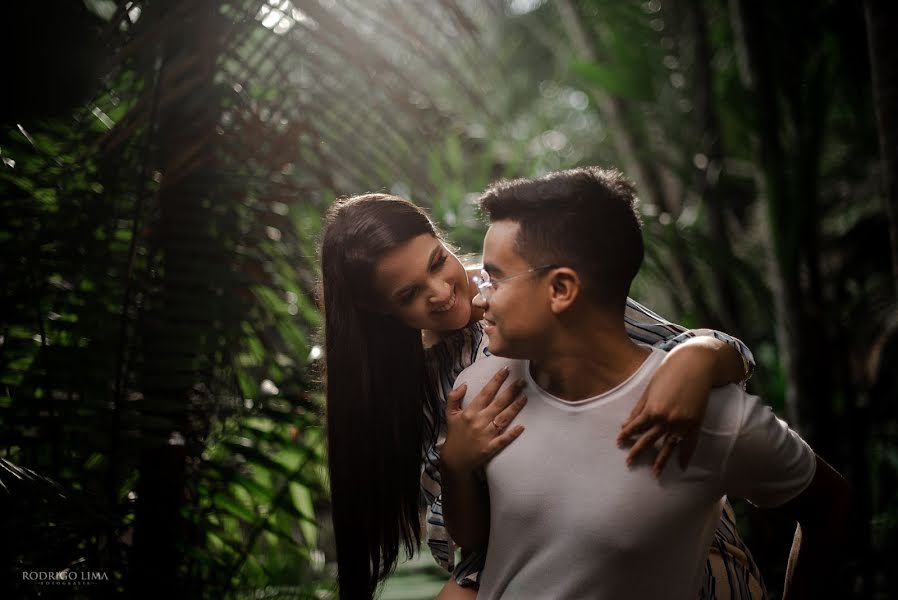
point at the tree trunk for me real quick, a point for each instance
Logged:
(647, 178)
(788, 181)
(882, 37)
(712, 144)
(178, 316)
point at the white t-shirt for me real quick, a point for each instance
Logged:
(569, 519)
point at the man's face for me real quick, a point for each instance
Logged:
(518, 311)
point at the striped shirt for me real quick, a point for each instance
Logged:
(730, 571)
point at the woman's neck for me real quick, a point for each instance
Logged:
(431, 338)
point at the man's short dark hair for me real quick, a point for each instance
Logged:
(584, 218)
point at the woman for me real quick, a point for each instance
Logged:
(390, 287)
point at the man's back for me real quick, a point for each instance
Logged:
(569, 519)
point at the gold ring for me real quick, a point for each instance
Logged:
(496, 425)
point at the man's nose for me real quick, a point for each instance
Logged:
(479, 301)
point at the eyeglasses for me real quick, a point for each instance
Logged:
(487, 286)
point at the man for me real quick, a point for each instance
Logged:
(566, 517)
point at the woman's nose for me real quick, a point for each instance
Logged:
(440, 291)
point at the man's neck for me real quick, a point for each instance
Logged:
(588, 360)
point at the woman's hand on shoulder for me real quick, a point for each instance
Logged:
(481, 429)
(672, 408)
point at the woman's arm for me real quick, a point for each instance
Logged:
(734, 361)
(444, 361)
(453, 591)
(466, 506)
(646, 326)
(674, 403)
(475, 434)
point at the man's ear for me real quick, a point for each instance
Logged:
(564, 288)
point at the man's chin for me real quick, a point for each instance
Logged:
(497, 348)
(498, 345)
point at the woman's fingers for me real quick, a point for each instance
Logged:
(634, 426)
(638, 409)
(505, 417)
(501, 441)
(648, 437)
(505, 399)
(671, 441)
(687, 449)
(453, 400)
(646, 440)
(478, 431)
(486, 395)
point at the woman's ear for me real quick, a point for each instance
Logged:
(564, 288)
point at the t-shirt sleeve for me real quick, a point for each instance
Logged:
(768, 464)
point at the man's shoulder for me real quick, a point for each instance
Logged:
(727, 407)
(481, 371)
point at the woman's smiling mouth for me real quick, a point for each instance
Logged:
(448, 305)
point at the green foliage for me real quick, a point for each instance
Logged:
(158, 319)
(158, 344)
(748, 129)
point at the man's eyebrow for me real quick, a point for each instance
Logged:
(492, 269)
(430, 260)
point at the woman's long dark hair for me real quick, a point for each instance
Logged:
(376, 386)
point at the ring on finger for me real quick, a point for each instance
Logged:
(674, 439)
(497, 426)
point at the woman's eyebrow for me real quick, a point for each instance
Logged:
(433, 254)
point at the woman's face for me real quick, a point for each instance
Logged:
(424, 285)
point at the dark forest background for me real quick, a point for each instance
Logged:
(164, 166)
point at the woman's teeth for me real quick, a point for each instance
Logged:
(448, 305)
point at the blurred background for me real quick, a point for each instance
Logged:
(165, 165)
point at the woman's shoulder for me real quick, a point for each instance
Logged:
(467, 340)
(459, 336)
